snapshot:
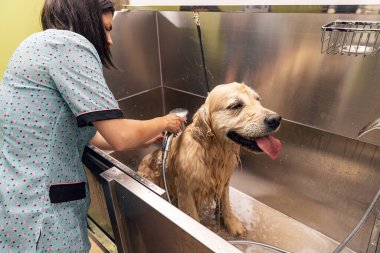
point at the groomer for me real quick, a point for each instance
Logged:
(54, 100)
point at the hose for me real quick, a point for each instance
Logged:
(344, 243)
(197, 22)
(245, 242)
(166, 144)
(165, 150)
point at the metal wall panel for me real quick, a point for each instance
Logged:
(135, 53)
(148, 223)
(145, 105)
(180, 99)
(180, 53)
(278, 55)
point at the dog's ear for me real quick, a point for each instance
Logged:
(201, 132)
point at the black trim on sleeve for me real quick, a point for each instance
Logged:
(87, 118)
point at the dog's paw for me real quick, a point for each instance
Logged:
(235, 227)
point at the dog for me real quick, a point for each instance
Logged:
(204, 156)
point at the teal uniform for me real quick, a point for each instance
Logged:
(52, 91)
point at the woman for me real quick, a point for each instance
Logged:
(54, 101)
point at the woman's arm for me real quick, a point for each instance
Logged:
(101, 143)
(121, 134)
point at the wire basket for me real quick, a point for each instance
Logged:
(351, 37)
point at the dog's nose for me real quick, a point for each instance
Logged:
(272, 121)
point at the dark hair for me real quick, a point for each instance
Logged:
(107, 6)
(83, 17)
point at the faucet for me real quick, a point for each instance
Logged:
(369, 127)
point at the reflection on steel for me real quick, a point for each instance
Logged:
(99, 236)
(135, 53)
(261, 245)
(113, 207)
(127, 170)
(147, 223)
(325, 181)
(369, 127)
(273, 228)
(360, 224)
(279, 56)
(98, 211)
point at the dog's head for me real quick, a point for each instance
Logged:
(233, 112)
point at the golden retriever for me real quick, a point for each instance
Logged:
(203, 158)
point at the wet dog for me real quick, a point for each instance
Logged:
(204, 156)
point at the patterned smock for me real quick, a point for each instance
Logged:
(52, 90)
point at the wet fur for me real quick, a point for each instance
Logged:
(202, 159)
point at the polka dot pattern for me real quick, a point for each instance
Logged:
(52, 78)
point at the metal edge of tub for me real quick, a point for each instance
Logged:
(142, 220)
(95, 155)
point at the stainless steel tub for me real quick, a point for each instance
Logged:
(281, 206)
(325, 178)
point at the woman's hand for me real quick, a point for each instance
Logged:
(173, 123)
(122, 134)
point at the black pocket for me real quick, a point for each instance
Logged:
(59, 193)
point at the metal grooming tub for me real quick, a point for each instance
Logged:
(315, 193)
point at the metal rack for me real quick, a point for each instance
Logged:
(351, 37)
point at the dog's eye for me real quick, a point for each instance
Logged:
(235, 106)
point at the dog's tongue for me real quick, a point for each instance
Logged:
(270, 145)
